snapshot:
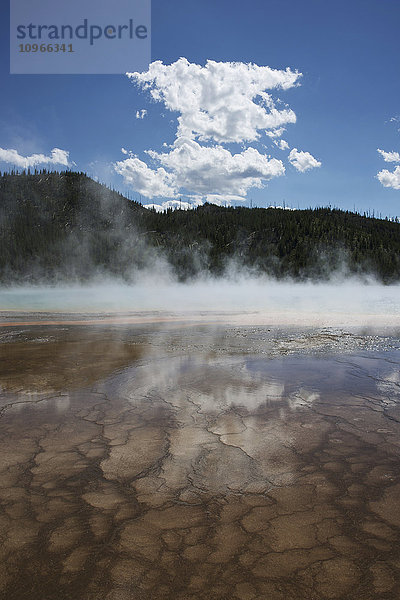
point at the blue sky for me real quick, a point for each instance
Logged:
(347, 105)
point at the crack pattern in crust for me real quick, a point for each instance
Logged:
(199, 476)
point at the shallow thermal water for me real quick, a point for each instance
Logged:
(243, 300)
(198, 462)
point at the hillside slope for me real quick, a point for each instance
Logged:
(67, 226)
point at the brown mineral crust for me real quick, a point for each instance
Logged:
(143, 474)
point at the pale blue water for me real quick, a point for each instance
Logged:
(244, 296)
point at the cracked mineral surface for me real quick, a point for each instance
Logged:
(198, 462)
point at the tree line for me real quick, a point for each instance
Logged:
(65, 225)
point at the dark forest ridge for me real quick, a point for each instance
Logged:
(57, 226)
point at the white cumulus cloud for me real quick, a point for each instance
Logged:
(56, 157)
(282, 144)
(390, 179)
(140, 114)
(217, 105)
(215, 170)
(146, 181)
(389, 156)
(303, 161)
(174, 204)
(222, 101)
(209, 172)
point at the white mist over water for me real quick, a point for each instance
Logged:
(251, 299)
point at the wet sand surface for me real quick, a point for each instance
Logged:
(150, 462)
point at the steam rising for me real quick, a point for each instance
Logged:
(125, 273)
(244, 298)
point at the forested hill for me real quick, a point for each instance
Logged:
(67, 226)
